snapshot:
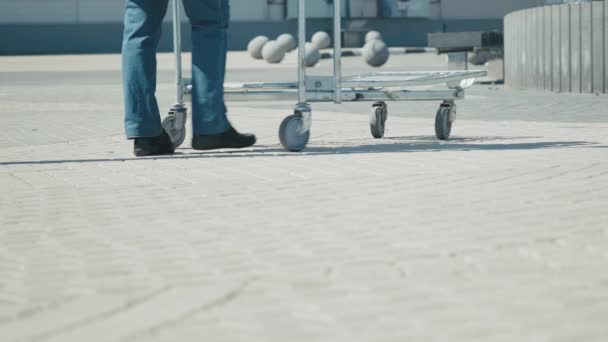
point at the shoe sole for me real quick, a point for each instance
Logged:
(149, 154)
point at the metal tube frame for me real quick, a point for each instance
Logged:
(377, 86)
(302, 108)
(301, 51)
(347, 96)
(462, 79)
(177, 49)
(337, 51)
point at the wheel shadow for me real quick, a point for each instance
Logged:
(410, 144)
(430, 144)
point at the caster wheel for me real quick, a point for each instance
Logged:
(443, 121)
(377, 120)
(289, 136)
(176, 131)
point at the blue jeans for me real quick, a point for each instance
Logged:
(143, 19)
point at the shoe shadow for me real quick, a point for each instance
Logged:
(409, 144)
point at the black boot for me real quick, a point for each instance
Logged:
(228, 139)
(154, 146)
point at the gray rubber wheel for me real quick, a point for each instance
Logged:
(177, 134)
(377, 120)
(288, 134)
(443, 125)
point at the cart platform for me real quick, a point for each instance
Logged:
(377, 87)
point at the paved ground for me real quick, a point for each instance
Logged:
(500, 234)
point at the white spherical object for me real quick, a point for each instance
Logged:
(372, 35)
(273, 52)
(254, 48)
(287, 41)
(375, 53)
(312, 55)
(321, 39)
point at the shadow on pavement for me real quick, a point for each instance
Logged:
(409, 144)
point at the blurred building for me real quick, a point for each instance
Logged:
(83, 11)
(68, 26)
(476, 9)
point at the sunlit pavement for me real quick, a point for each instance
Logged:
(499, 234)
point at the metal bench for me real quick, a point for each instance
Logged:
(458, 46)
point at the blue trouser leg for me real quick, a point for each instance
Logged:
(209, 19)
(143, 19)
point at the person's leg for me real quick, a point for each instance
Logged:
(143, 19)
(209, 19)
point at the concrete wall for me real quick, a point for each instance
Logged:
(111, 11)
(475, 9)
(106, 11)
(23, 39)
(562, 48)
(60, 11)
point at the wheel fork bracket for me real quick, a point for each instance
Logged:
(303, 110)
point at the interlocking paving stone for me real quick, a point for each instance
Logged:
(499, 234)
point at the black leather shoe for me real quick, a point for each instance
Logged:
(228, 139)
(153, 146)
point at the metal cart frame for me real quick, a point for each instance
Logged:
(377, 87)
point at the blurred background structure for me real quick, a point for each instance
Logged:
(93, 26)
(562, 48)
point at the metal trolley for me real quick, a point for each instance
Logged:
(376, 87)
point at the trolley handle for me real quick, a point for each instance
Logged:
(337, 51)
(337, 77)
(301, 54)
(177, 50)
